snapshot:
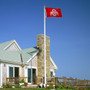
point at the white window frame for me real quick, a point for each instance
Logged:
(29, 67)
(9, 65)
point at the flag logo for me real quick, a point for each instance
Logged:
(54, 12)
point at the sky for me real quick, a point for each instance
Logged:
(23, 20)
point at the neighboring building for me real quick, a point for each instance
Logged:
(15, 62)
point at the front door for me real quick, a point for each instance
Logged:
(16, 71)
(33, 75)
(16, 75)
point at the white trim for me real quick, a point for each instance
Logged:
(31, 67)
(31, 57)
(53, 63)
(13, 69)
(52, 70)
(10, 62)
(7, 71)
(1, 74)
(17, 44)
(11, 44)
(26, 71)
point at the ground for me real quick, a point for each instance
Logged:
(30, 89)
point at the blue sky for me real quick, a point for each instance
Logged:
(22, 20)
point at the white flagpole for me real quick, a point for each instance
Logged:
(44, 45)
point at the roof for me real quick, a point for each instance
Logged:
(14, 56)
(3, 45)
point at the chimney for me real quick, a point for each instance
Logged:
(40, 56)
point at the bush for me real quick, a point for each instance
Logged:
(25, 83)
(57, 86)
(50, 87)
(62, 87)
(22, 81)
(8, 86)
(17, 86)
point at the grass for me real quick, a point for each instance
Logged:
(37, 89)
(31, 89)
(23, 89)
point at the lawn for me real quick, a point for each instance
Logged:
(31, 89)
(37, 89)
(21, 89)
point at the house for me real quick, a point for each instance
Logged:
(25, 63)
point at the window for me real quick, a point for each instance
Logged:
(10, 71)
(51, 74)
(29, 75)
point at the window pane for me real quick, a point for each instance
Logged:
(51, 74)
(10, 71)
(29, 75)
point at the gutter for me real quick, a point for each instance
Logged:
(10, 62)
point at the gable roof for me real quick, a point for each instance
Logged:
(5, 45)
(14, 56)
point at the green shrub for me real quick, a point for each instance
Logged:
(57, 86)
(22, 81)
(25, 83)
(50, 87)
(62, 87)
(4, 86)
(8, 86)
(17, 86)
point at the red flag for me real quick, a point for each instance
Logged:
(53, 12)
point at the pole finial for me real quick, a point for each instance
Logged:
(44, 6)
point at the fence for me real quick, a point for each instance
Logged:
(64, 81)
(16, 80)
(71, 82)
(51, 80)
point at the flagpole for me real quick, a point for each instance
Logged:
(44, 46)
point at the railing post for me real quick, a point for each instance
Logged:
(54, 80)
(19, 79)
(76, 82)
(43, 79)
(36, 80)
(85, 82)
(65, 82)
(6, 82)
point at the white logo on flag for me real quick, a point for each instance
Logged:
(54, 12)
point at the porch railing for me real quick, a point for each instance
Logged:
(50, 80)
(16, 80)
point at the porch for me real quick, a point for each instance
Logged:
(37, 81)
(50, 81)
